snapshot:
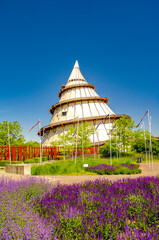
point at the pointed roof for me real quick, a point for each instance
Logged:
(76, 74)
(76, 64)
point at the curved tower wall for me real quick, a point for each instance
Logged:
(79, 100)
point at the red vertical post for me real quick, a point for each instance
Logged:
(50, 152)
(12, 153)
(18, 152)
(58, 151)
(43, 151)
(37, 151)
(5, 152)
(20, 155)
(15, 153)
(46, 151)
(26, 150)
(1, 153)
(15, 150)
(8, 153)
(29, 152)
(54, 152)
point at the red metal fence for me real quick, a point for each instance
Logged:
(19, 153)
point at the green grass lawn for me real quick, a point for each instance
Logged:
(68, 167)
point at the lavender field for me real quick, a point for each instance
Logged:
(126, 209)
(103, 169)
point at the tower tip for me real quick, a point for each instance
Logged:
(76, 64)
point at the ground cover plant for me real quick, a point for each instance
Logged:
(18, 220)
(125, 209)
(115, 169)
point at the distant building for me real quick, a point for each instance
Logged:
(79, 102)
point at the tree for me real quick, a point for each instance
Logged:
(124, 132)
(69, 138)
(139, 145)
(32, 144)
(105, 149)
(15, 129)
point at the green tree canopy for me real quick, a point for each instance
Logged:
(138, 145)
(105, 149)
(69, 138)
(16, 129)
(124, 131)
(32, 144)
(129, 138)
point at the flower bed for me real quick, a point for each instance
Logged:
(103, 169)
(126, 209)
(18, 220)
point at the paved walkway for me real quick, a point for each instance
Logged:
(63, 179)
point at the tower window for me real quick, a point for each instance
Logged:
(64, 113)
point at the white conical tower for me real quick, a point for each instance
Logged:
(75, 76)
(78, 100)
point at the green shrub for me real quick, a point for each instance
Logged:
(4, 162)
(58, 158)
(35, 160)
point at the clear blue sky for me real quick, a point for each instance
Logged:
(116, 44)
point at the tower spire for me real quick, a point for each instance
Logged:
(76, 64)
(76, 75)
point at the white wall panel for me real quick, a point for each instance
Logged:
(83, 92)
(100, 110)
(107, 109)
(72, 93)
(63, 96)
(77, 93)
(93, 92)
(78, 110)
(86, 110)
(67, 94)
(93, 109)
(101, 132)
(90, 92)
(70, 112)
(87, 92)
